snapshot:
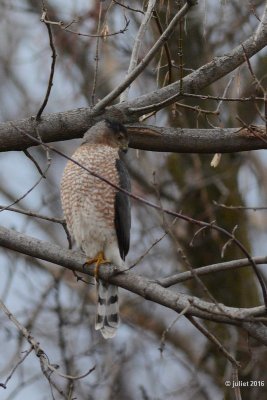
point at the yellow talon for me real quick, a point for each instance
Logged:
(98, 260)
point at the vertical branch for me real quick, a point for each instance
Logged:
(180, 52)
(52, 70)
(137, 45)
(96, 55)
(166, 48)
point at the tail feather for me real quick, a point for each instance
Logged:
(107, 314)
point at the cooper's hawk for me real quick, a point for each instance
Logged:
(98, 215)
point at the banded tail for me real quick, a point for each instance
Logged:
(107, 313)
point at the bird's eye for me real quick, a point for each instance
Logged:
(120, 136)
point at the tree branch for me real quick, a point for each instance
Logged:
(146, 60)
(142, 286)
(202, 77)
(209, 269)
(137, 44)
(145, 137)
(74, 123)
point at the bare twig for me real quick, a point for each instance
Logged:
(27, 154)
(166, 47)
(45, 365)
(53, 63)
(255, 208)
(167, 330)
(222, 98)
(214, 340)
(40, 216)
(35, 345)
(128, 7)
(101, 35)
(96, 55)
(237, 387)
(197, 109)
(65, 27)
(26, 353)
(229, 242)
(147, 251)
(32, 214)
(28, 191)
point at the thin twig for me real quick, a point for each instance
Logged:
(103, 35)
(33, 214)
(197, 109)
(256, 80)
(214, 340)
(26, 353)
(229, 242)
(147, 251)
(37, 348)
(166, 47)
(53, 63)
(237, 387)
(27, 154)
(180, 55)
(35, 345)
(167, 330)
(96, 55)
(60, 221)
(28, 191)
(65, 27)
(128, 7)
(222, 98)
(255, 208)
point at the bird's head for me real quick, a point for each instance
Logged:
(108, 132)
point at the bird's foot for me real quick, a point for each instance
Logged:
(98, 260)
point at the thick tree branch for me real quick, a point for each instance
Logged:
(145, 137)
(142, 286)
(182, 140)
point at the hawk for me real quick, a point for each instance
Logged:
(98, 215)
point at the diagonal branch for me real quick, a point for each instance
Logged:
(202, 77)
(146, 60)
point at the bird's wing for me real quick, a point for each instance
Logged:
(123, 209)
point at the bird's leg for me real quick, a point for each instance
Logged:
(98, 260)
